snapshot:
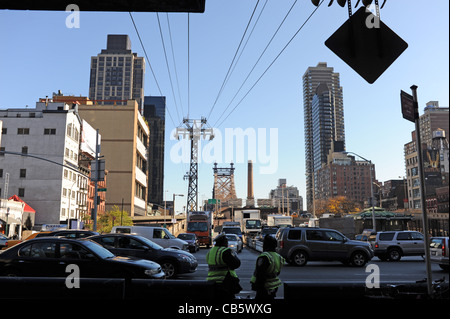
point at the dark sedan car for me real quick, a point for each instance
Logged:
(172, 261)
(50, 256)
(68, 233)
(192, 241)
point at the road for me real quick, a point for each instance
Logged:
(408, 269)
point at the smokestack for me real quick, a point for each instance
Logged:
(250, 181)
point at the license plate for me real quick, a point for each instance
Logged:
(433, 253)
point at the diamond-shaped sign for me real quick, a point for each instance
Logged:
(367, 45)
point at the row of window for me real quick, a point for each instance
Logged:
(26, 131)
(22, 173)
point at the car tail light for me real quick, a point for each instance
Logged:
(376, 245)
(282, 244)
(443, 250)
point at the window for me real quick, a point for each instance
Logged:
(295, 234)
(21, 192)
(403, 236)
(23, 131)
(24, 149)
(49, 131)
(74, 251)
(39, 250)
(4, 130)
(1, 172)
(2, 149)
(23, 173)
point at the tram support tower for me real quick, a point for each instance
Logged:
(193, 130)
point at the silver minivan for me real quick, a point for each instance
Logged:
(158, 235)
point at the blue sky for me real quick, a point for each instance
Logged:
(40, 55)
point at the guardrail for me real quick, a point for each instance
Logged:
(98, 288)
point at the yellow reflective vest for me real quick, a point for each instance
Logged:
(218, 269)
(275, 263)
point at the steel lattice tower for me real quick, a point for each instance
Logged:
(224, 189)
(193, 130)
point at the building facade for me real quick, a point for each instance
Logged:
(434, 126)
(343, 175)
(117, 74)
(48, 178)
(125, 140)
(323, 112)
(286, 198)
(154, 113)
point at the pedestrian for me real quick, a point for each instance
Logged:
(222, 262)
(265, 280)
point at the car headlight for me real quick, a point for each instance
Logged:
(151, 272)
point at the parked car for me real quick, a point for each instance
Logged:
(49, 257)
(3, 240)
(298, 245)
(68, 233)
(439, 252)
(192, 241)
(158, 235)
(392, 245)
(13, 242)
(172, 261)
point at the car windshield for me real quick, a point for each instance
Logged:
(103, 253)
(186, 236)
(232, 230)
(232, 238)
(150, 243)
(253, 224)
(197, 226)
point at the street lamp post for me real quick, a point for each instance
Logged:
(371, 189)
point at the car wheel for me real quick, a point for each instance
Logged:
(169, 269)
(394, 254)
(358, 259)
(299, 258)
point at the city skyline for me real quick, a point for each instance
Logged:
(374, 125)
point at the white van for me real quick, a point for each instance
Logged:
(158, 235)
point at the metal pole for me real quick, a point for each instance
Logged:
(97, 173)
(422, 189)
(371, 197)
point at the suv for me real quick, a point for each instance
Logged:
(439, 252)
(298, 245)
(392, 245)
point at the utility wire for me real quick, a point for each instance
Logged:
(254, 66)
(189, 62)
(167, 64)
(145, 52)
(235, 54)
(174, 62)
(276, 58)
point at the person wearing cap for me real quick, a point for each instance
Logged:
(222, 262)
(265, 280)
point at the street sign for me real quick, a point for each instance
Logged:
(408, 108)
(368, 48)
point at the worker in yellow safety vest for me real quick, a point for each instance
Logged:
(222, 262)
(265, 280)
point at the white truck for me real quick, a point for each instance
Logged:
(250, 221)
(279, 220)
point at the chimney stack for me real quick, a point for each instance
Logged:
(250, 195)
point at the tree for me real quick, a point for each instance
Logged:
(114, 217)
(339, 205)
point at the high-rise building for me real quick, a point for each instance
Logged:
(154, 113)
(434, 127)
(324, 119)
(286, 198)
(117, 74)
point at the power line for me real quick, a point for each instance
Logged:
(235, 54)
(256, 63)
(167, 64)
(276, 58)
(150, 65)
